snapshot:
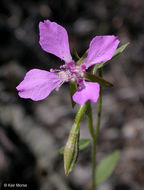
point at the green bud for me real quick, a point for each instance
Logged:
(71, 150)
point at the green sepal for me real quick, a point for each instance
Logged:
(117, 52)
(73, 88)
(106, 167)
(83, 143)
(94, 78)
(76, 54)
(81, 60)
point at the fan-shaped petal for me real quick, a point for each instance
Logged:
(54, 39)
(89, 92)
(101, 49)
(38, 84)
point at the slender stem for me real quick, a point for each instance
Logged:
(97, 129)
(90, 120)
(93, 164)
(93, 133)
(99, 108)
(79, 115)
(80, 112)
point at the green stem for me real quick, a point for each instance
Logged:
(93, 133)
(99, 108)
(79, 115)
(90, 120)
(93, 164)
(80, 112)
(97, 130)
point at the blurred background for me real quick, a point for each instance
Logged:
(31, 133)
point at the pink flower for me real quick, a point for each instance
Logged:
(38, 84)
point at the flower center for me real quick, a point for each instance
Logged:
(71, 72)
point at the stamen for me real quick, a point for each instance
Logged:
(54, 70)
(80, 81)
(83, 67)
(58, 87)
(71, 64)
(70, 72)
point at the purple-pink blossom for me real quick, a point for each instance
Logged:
(38, 84)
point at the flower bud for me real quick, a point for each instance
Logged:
(71, 151)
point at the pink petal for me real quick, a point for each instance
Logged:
(38, 84)
(101, 49)
(90, 92)
(54, 39)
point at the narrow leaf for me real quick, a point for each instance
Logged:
(117, 52)
(81, 60)
(75, 53)
(94, 78)
(106, 167)
(83, 143)
(120, 49)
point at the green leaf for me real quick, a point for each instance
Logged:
(120, 49)
(83, 143)
(73, 88)
(61, 150)
(117, 52)
(106, 167)
(94, 78)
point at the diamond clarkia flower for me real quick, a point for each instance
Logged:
(38, 84)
